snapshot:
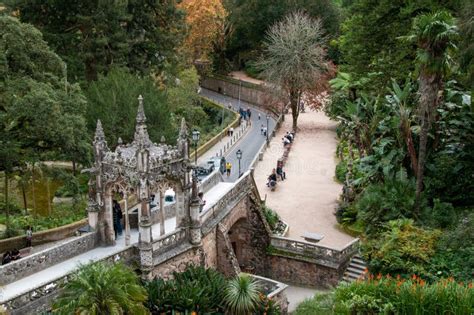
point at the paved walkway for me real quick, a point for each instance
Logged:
(296, 295)
(306, 200)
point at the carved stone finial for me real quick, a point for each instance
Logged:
(141, 137)
(119, 141)
(163, 139)
(99, 132)
(183, 131)
(141, 112)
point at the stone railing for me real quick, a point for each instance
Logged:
(38, 300)
(240, 188)
(42, 237)
(170, 240)
(324, 255)
(210, 181)
(28, 265)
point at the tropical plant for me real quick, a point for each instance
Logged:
(195, 289)
(434, 34)
(101, 288)
(401, 248)
(390, 200)
(294, 56)
(241, 295)
(272, 217)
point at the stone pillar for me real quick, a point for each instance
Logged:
(181, 213)
(162, 211)
(145, 243)
(108, 219)
(195, 229)
(127, 221)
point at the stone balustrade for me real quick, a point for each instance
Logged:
(170, 240)
(46, 258)
(240, 188)
(324, 255)
(38, 299)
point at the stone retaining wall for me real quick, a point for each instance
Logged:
(44, 259)
(42, 237)
(249, 92)
(304, 273)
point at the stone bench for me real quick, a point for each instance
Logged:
(312, 237)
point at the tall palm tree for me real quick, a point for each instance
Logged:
(434, 35)
(101, 288)
(241, 295)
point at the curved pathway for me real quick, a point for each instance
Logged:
(307, 199)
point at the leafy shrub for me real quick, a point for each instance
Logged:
(196, 289)
(267, 306)
(346, 213)
(390, 200)
(272, 217)
(320, 304)
(455, 252)
(402, 248)
(442, 215)
(386, 295)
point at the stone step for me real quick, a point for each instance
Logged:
(352, 275)
(357, 266)
(358, 260)
(355, 270)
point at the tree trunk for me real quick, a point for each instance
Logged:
(23, 193)
(33, 178)
(295, 111)
(428, 91)
(412, 152)
(7, 204)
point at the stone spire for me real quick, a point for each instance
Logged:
(141, 112)
(183, 131)
(99, 132)
(141, 137)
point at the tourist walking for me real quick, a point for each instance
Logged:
(228, 168)
(117, 218)
(258, 116)
(261, 129)
(29, 236)
(249, 113)
(280, 172)
(231, 131)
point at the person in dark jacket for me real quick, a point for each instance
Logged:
(117, 217)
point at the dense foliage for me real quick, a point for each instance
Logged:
(386, 295)
(206, 291)
(101, 288)
(93, 36)
(250, 19)
(406, 125)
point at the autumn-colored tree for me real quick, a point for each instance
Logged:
(205, 20)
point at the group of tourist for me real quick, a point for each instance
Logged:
(10, 255)
(278, 172)
(288, 138)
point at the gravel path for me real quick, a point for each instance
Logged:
(306, 200)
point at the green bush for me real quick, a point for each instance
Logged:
(442, 215)
(196, 289)
(455, 252)
(402, 248)
(272, 217)
(381, 202)
(386, 295)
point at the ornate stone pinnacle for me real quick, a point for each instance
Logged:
(141, 112)
(141, 137)
(99, 131)
(163, 139)
(119, 141)
(183, 131)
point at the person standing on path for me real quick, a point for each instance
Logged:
(231, 131)
(29, 236)
(117, 217)
(228, 168)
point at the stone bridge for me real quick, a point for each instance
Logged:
(228, 233)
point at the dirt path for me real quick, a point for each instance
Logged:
(306, 200)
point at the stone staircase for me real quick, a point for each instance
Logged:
(355, 270)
